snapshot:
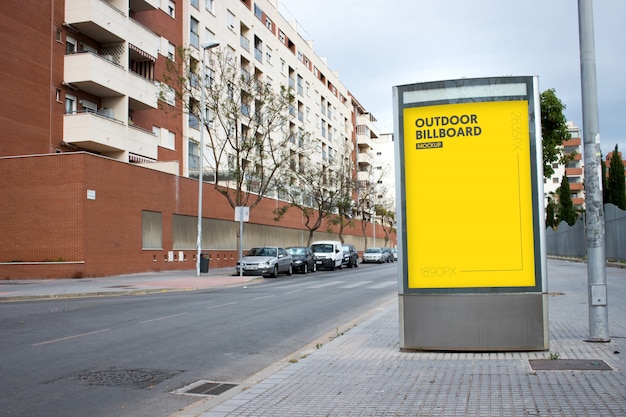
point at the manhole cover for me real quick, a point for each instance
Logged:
(569, 365)
(206, 388)
(127, 378)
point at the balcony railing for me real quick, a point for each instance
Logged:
(107, 24)
(107, 135)
(100, 77)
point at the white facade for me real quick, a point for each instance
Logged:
(384, 170)
(268, 47)
(574, 169)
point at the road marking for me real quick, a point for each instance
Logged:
(292, 292)
(162, 318)
(355, 284)
(326, 284)
(265, 296)
(223, 305)
(70, 337)
(384, 284)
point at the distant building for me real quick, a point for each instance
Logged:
(573, 170)
(385, 169)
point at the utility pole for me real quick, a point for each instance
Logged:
(596, 262)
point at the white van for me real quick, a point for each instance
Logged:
(328, 254)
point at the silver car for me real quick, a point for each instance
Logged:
(266, 261)
(373, 255)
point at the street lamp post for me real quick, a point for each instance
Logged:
(204, 46)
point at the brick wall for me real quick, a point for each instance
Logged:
(51, 229)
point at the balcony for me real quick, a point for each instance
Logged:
(363, 176)
(571, 172)
(572, 142)
(107, 24)
(108, 136)
(103, 78)
(576, 186)
(364, 158)
(143, 5)
(244, 43)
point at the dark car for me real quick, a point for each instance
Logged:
(387, 255)
(350, 256)
(302, 258)
(266, 261)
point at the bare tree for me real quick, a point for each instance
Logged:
(249, 122)
(315, 189)
(345, 183)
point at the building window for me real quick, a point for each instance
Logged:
(168, 94)
(281, 36)
(208, 4)
(151, 230)
(193, 156)
(230, 20)
(196, 4)
(194, 33)
(171, 8)
(258, 12)
(171, 52)
(70, 104)
(58, 95)
(70, 45)
(268, 55)
(58, 36)
(268, 23)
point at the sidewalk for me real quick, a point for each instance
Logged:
(363, 373)
(20, 290)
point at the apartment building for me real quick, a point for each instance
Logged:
(573, 170)
(91, 149)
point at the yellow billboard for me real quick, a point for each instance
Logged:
(468, 195)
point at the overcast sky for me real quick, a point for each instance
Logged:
(375, 45)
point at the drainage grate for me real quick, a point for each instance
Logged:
(206, 388)
(569, 365)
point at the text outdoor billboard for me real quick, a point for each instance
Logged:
(470, 173)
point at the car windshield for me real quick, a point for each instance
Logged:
(296, 251)
(262, 252)
(372, 250)
(322, 248)
(346, 248)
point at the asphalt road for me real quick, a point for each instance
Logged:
(126, 355)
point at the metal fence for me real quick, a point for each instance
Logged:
(570, 241)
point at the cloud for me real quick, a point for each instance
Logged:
(375, 45)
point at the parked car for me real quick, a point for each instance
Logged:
(266, 261)
(387, 255)
(302, 258)
(350, 256)
(394, 252)
(328, 254)
(374, 255)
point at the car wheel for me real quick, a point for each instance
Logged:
(314, 267)
(305, 268)
(275, 272)
(356, 263)
(290, 270)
